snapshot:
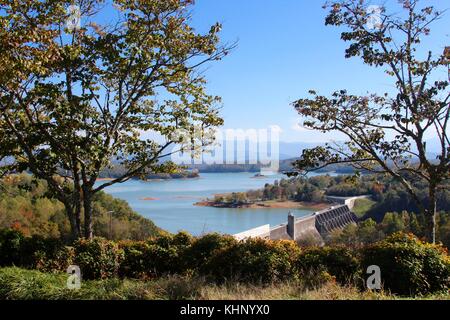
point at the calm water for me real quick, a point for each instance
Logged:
(174, 210)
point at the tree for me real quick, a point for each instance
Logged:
(386, 133)
(77, 100)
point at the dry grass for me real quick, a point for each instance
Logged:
(287, 291)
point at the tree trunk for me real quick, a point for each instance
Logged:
(73, 211)
(71, 207)
(77, 196)
(75, 226)
(431, 227)
(431, 216)
(78, 219)
(88, 223)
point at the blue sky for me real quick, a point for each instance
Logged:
(284, 50)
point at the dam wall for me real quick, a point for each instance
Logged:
(316, 226)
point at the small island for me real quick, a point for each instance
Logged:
(149, 199)
(258, 175)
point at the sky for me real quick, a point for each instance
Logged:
(284, 50)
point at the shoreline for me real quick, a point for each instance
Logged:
(151, 179)
(271, 204)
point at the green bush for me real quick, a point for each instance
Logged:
(155, 257)
(48, 255)
(254, 260)
(133, 264)
(10, 246)
(162, 260)
(339, 262)
(166, 254)
(408, 265)
(97, 258)
(202, 249)
(182, 239)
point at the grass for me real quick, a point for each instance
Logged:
(362, 206)
(20, 284)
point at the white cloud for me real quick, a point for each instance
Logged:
(296, 126)
(276, 128)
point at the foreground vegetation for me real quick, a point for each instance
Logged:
(409, 266)
(21, 284)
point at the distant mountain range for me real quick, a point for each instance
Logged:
(289, 150)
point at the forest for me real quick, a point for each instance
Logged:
(27, 206)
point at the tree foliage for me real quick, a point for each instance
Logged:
(73, 101)
(386, 132)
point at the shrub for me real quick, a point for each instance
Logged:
(97, 258)
(10, 244)
(48, 255)
(339, 262)
(182, 239)
(156, 257)
(162, 260)
(254, 260)
(165, 254)
(409, 265)
(133, 264)
(202, 249)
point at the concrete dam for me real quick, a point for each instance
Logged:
(316, 226)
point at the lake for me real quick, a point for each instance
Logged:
(174, 210)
